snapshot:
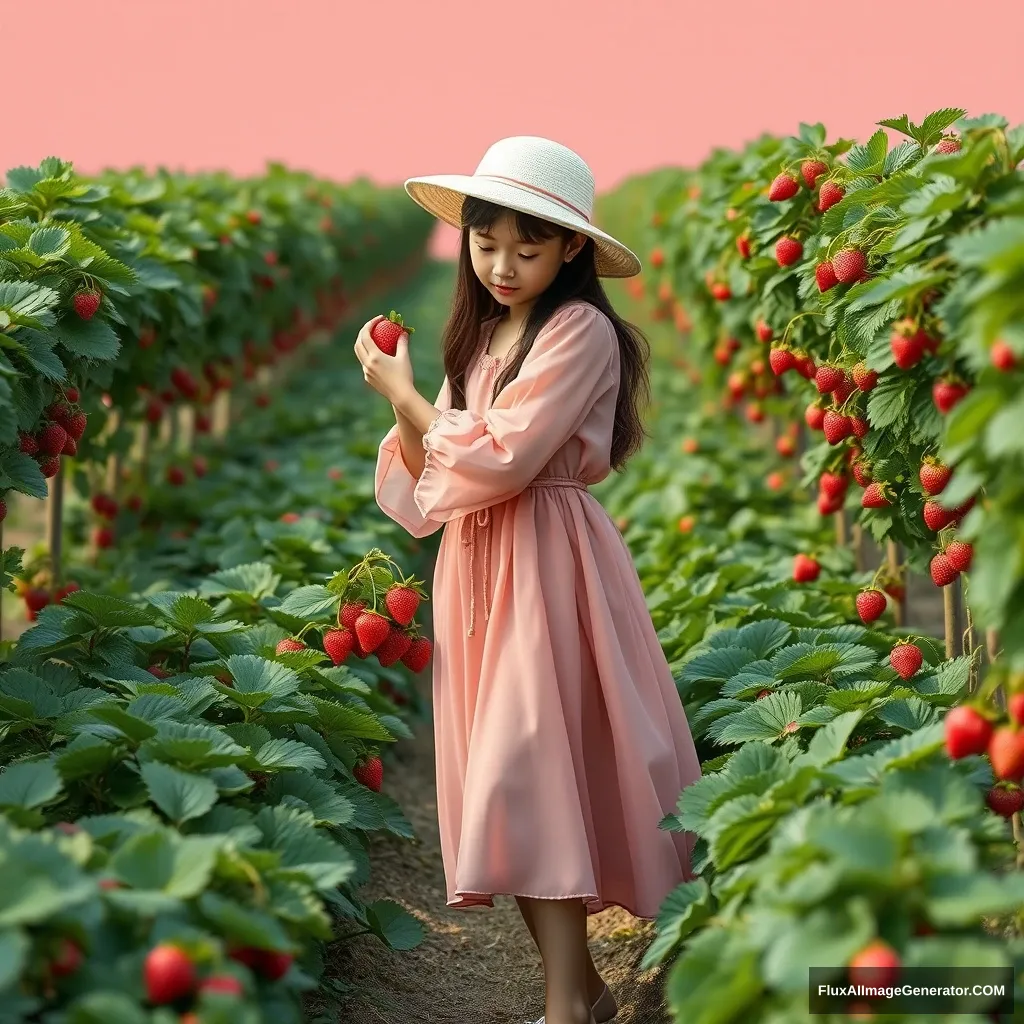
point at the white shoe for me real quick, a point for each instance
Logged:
(542, 1020)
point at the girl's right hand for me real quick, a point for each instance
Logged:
(363, 338)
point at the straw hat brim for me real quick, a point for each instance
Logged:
(442, 195)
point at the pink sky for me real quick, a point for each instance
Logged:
(400, 88)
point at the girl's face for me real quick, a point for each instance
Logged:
(501, 258)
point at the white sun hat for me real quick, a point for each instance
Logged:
(530, 175)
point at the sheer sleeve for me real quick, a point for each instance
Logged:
(474, 461)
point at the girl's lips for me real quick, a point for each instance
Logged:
(503, 290)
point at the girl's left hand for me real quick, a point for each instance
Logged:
(390, 376)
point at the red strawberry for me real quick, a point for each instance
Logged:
(50, 467)
(876, 965)
(657, 258)
(861, 473)
(812, 170)
(936, 517)
(169, 974)
(949, 144)
(1003, 357)
(960, 555)
(1005, 802)
(27, 443)
(906, 659)
(934, 476)
(394, 647)
(370, 773)
(273, 964)
(805, 365)
(907, 350)
(68, 959)
(1006, 754)
(805, 569)
(947, 393)
(755, 412)
(788, 251)
(833, 484)
(222, 984)
(52, 439)
(827, 504)
(1016, 708)
(764, 332)
(875, 497)
(860, 426)
(829, 194)
(70, 447)
(77, 422)
(825, 275)
(71, 394)
(942, 571)
(147, 337)
(103, 537)
(418, 655)
(721, 291)
(401, 603)
(781, 360)
(349, 613)
(290, 643)
(175, 476)
(814, 416)
(371, 629)
(253, 216)
(338, 643)
(870, 605)
(863, 378)
(385, 333)
(848, 265)
(967, 732)
(827, 379)
(836, 426)
(743, 246)
(783, 187)
(199, 465)
(183, 380)
(86, 302)
(785, 446)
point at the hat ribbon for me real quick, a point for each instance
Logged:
(540, 191)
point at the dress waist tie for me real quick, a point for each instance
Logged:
(482, 519)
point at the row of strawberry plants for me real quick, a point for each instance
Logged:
(842, 820)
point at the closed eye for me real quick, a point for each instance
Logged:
(484, 248)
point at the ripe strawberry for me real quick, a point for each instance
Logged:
(827, 504)
(863, 378)
(147, 337)
(805, 365)
(775, 481)
(154, 410)
(947, 393)
(50, 467)
(833, 484)
(199, 465)
(785, 446)
(338, 643)
(418, 655)
(805, 569)
(657, 258)
(386, 333)
(781, 360)
(860, 426)
(876, 965)
(274, 965)
(743, 246)
(870, 605)
(370, 772)
(934, 476)
(782, 188)
(942, 571)
(68, 959)
(1006, 754)
(906, 659)
(825, 275)
(721, 291)
(103, 537)
(936, 517)
(788, 251)
(848, 265)
(764, 332)
(861, 473)
(1003, 357)
(1005, 802)
(27, 443)
(86, 301)
(967, 732)
(907, 350)
(1015, 706)
(371, 629)
(77, 422)
(827, 379)
(222, 984)
(169, 974)
(290, 643)
(755, 412)
(761, 694)
(874, 497)
(960, 554)
(814, 416)
(253, 216)
(52, 439)
(949, 144)
(829, 194)
(811, 171)
(401, 603)
(394, 647)
(71, 394)
(836, 426)
(175, 476)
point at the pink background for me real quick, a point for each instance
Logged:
(392, 89)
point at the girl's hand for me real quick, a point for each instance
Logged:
(390, 376)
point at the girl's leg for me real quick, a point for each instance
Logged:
(560, 931)
(595, 983)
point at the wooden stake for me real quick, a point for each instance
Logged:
(166, 428)
(841, 532)
(858, 546)
(949, 619)
(186, 428)
(56, 524)
(894, 557)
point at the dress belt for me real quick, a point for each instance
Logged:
(482, 518)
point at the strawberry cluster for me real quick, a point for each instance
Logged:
(58, 434)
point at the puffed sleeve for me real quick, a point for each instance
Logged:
(474, 461)
(393, 484)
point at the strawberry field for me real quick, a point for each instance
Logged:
(826, 522)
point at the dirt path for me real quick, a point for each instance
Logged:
(478, 965)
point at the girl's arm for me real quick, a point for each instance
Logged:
(414, 414)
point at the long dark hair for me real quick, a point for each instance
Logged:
(472, 304)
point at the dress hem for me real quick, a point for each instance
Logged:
(463, 902)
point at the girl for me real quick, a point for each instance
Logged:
(561, 740)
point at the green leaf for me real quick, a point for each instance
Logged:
(245, 926)
(829, 743)
(936, 123)
(326, 803)
(312, 602)
(256, 580)
(392, 923)
(109, 612)
(50, 242)
(687, 907)
(279, 754)
(14, 950)
(29, 784)
(106, 1007)
(257, 680)
(188, 612)
(23, 472)
(136, 729)
(92, 339)
(178, 866)
(180, 795)
(340, 719)
(900, 124)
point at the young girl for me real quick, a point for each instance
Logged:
(561, 740)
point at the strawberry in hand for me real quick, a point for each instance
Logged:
(382, 347)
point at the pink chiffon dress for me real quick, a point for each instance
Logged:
(561, 741)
